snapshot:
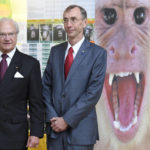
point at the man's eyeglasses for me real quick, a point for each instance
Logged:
(72, 20)
(10, 35)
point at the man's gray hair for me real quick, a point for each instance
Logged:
(82, 10)
(10, 20)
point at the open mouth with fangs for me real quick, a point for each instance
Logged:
(125, 94)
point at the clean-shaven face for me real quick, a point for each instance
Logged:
(74, 24)
(8, 36)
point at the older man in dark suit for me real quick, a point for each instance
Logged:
(20, 81)
(72, 85)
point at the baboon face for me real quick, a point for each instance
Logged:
(123, 27)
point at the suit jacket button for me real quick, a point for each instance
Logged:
(63, 94)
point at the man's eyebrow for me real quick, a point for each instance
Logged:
(70, 17)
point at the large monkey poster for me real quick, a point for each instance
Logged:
(123, 28)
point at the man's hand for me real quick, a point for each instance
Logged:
(58, 124)
(33, 141)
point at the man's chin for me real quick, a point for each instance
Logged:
(7, 49)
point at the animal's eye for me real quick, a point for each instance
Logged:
(110, 15)
(139, 15)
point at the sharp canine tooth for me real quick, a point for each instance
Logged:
(111, 76)
(135, 112)
(137, 76)
(134, 120)
(116, 116)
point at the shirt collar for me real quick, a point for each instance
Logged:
(76, 46)
(10, 54)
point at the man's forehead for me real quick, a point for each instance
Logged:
(6, 22)
(72, 12)
(7, 25)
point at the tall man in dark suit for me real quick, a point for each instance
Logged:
(20, 81)
(72, 85)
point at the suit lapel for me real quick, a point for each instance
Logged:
(15, 64)
(61, 60)
(78, 59)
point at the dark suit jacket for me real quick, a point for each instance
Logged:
(75, 98)
(14, 93)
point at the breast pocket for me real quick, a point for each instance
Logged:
(18, 83)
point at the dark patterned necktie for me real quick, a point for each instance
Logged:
(3, 66)
(68, 61)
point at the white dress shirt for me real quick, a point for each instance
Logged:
(75, 48)
(10, 56)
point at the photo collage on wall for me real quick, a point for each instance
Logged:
(52, 32)
(43, 34)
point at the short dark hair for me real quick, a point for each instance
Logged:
(82, 10)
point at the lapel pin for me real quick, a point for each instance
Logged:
(17, 68)
(83, 52)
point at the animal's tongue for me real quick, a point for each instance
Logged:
(126, 95)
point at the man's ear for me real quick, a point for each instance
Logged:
(85, 21)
